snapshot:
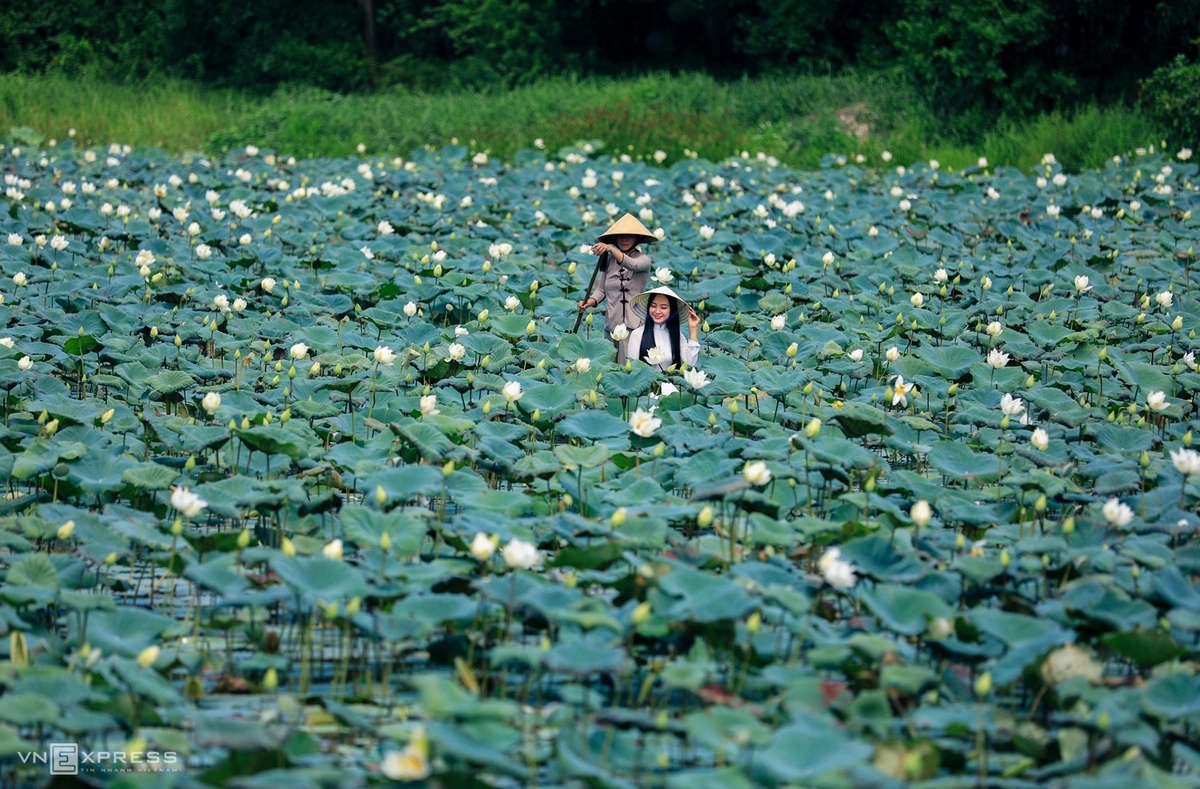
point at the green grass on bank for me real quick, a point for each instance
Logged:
(799, 119)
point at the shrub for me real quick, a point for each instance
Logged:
(1172, 96)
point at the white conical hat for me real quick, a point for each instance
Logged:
(640, 304)
(629, 225)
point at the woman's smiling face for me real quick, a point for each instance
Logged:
(660, 308)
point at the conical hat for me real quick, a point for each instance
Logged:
(640, 304)
(630, 226)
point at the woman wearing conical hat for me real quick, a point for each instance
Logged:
(623, 272)
(659, 341)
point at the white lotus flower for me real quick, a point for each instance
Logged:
(921, 513)
(1164, 299)
(410, 309)
(19, 279)
(189, 504)
(1040, 439)
(512, 302)
(620, 332)
(644, 423)
(384, 355)
(707, 232)
(211, 402)
(384, 228)
(512, 391)
(429, 405)
(1081, 283)
(657, 356)
(1187, 461)
(663, 275)
(25, 364)
(221, 302)
(15, 239)
(892, 354)
(239, 304)
(203, 251)
(995, 329)
(997, 358)
(267, 284)
(1117, 513)
(900, 391)
(1053, 211)
(483, 547)
(1189, 359)
(58, 243)
(917, 299)
(456, 352)
(836, 571)
(7, 342)
(583, 364)
(1011, 406)
(521, 555)
(756, 473)
(697, 379)
(778, 322)
(1157, 401)
(333, 549)
(298, 351)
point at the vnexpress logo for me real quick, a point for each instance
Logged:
(64, 758)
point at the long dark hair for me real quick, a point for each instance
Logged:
(672, 331)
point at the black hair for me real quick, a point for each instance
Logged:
(672, 331)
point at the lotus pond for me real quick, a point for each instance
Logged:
(309, 480)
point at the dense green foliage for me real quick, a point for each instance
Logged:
(973, 60)
(924, 513)
(1172, 95)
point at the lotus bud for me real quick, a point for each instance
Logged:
(448, 468)
(953, 390)
(107, 416)
(380, 495)
(148, 656)
(808, 388)
(869, 484)
(287, 547)
(960, 541)
(177, 527)
(813, 428)
(18, 649)
(1029, 382)
(270, 679)
(178, 341)
(1004, 422)
(1187, 438)
(705, 518)
(487, 407)
(330, 611)
(640, 614)
(66, 530)
(712, 419)
(792, 350)
(983, 684)
(754, 623)
(1144, 459)
(618, 518)
(733, 407)
(243, 539)
(1039, 506)
(354, 606)
(111, 559)
(1177, 324)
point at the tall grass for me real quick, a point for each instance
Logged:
(800, 119)
(175, 115)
